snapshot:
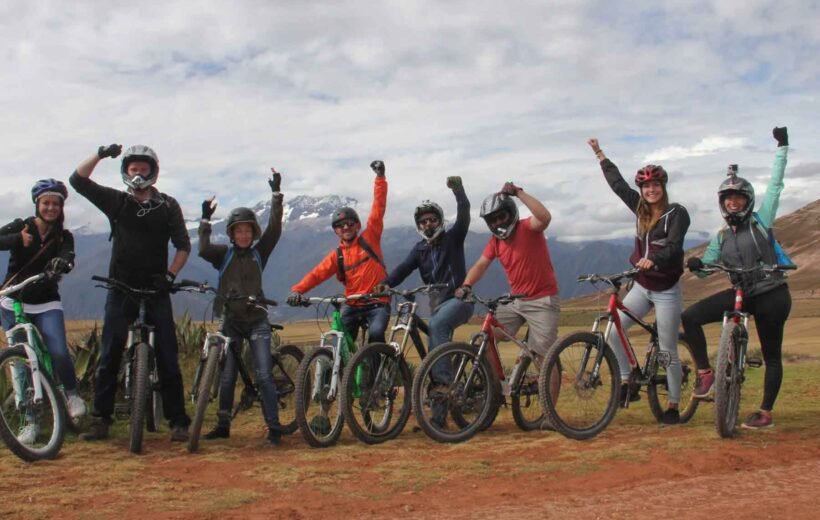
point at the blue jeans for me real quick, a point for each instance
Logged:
(51, 325)
(444, 320)
(668, 305)
(258, 335)
(376, 316)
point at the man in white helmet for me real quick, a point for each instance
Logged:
(143, 221)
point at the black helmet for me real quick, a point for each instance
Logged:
(495, 204)
(425, 207)
(139, 153)
(244, 215)
(48, 187)
(735, 184)
(344, 213)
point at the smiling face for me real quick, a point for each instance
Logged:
(49, 208)
(242, 234)
(652, 192)
(347, 229)
(735, 202)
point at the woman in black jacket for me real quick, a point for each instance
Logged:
(661, 227)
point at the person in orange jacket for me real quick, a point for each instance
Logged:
(357, 263)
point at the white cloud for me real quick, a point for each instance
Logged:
(707, 146)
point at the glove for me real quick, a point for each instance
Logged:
(378, 167)
(208, 208)
(294, 299)
(781, 134)
(454, 182)
(275, 181)
(163, 282)
(464, 292)
(112, 150)
(57, 266)
(694, 264)
(510, 189)
(381, 288)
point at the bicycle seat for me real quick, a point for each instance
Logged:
(276, 326)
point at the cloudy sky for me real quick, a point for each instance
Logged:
(490, 91)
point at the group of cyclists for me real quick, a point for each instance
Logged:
(144, 220)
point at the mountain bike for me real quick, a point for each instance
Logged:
(589, 390)
(376, 387)
(215, 349)
(318, 379)
(32, 407)
(479, 384)
(734, 339)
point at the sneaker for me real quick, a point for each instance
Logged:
(221, 431)
(97, 430)
(76, 407)
(633, 394)
(28, 434)
(179, 434)
(320, 425)
(671, 416)
(703, 384)
(274, 437)
(758, 420)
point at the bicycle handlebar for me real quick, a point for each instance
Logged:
(492, 303)
(340, 299)
(612, 280)
(426, 289)
(712, 268)
(110, 283)
(11, 289)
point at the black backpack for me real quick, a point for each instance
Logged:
(340, 260)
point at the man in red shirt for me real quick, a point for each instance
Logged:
(522, 250)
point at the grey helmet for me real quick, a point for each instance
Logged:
(243, 215)
(735, 184)
(139, 153)
(426, 206)
(344, 213)
(495, 204)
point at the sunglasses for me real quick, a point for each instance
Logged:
(344, 224)
(428, 220)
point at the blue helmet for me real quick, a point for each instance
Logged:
(48, 187)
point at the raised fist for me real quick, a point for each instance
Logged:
(208, 208)
(781, 134)
(378, 167)
(454, 182)
(275, 181)
(112, 150)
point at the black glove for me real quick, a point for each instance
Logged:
(275, 181)
(163, 282)
(378, 167)
(694, 264)
(781, 134)
(454, 182)
(208, 208)
(510, 189)
(463, 292)
(112, 150)
(57, 266)
(294, 299)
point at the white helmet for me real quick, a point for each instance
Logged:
(426, 206)
(139, 153)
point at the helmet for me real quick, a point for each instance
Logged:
(246, 216)
(48, 187)
(344, 213)
(139, 153)
(425, 207)
(735, 184)
(492, 206)
(651, 172)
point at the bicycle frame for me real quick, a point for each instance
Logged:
(340, 343)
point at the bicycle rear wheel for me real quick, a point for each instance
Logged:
(32, 430)
(286, 359)
(658, 389)
(468, 398)
(318, 412)
(139, 395)
(208, 375)
(728, 379)
(381, 378)
(586, 401)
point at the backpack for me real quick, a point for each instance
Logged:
(229, 257)
(781, 257)
(340, 260)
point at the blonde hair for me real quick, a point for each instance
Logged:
(646, 220)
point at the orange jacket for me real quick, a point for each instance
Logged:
(368, 272)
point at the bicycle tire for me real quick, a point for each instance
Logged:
(472, 401)
(203, 396)
(15, 414)
(320, 420)
(139, 396)
(524, 401)
(285, 365)
(572, 412)
(658, 387)
(728, 379)
(391, 397)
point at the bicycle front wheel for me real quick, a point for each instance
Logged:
(584, 402)
(728, 379)
(139, 395)
(203, 395)
(32, 429)
(155, 411)
(286, 359)
(658, 389)
(318, 410)
(376, 393)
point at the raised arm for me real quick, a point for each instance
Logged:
(462, 224)
(541, 217)
(273, 230)
(614, 178)
(771, 200)
(375, 221)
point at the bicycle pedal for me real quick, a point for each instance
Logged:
(754, 362)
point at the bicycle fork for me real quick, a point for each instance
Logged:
(331, 340)
(20, 383)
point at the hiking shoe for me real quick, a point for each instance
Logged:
(221, 431)
(179, 434)
(97, 430)
(633, 394)
(75, 406)
(274, 437)
(670, 416)
(703, 385)
(28, 434)
(758, 420)
(320, 425)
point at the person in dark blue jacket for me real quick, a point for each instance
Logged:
(439, 257)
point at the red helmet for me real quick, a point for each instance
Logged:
(651, 172)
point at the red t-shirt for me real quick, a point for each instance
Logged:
(525, 258)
